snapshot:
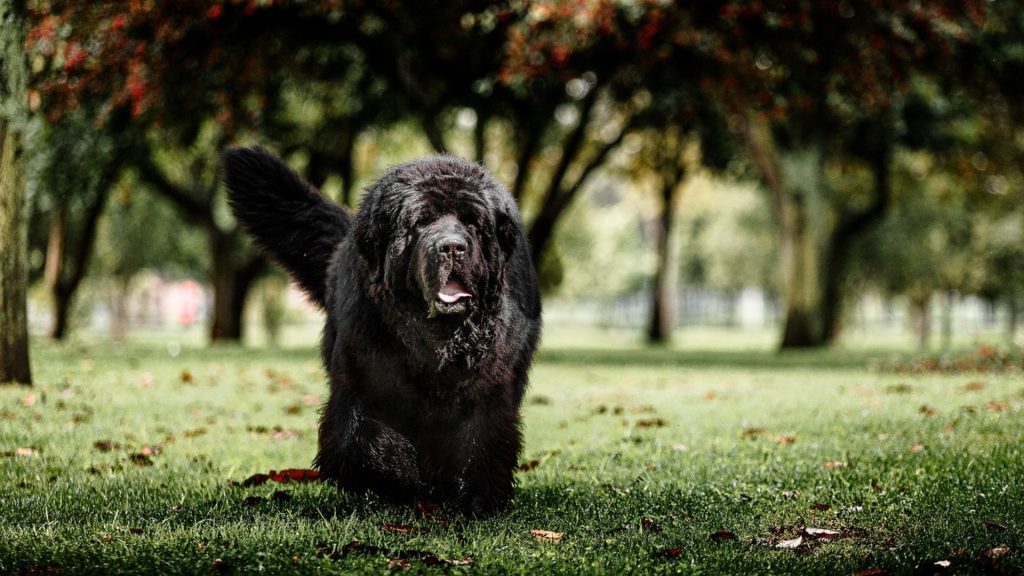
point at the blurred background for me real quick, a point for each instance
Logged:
(738, 174)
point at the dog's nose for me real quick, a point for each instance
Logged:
(451, 247)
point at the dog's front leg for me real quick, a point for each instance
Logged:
(491, 441)
(361, 453)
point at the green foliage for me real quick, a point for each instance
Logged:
(728, 239)
(141, 231)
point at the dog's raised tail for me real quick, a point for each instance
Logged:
(288, 217)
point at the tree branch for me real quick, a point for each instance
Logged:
(193, 208)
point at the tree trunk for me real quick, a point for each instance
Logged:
(947, 319)
(232, 282)
(65, 269)
(663, 294)
(1012, 319)
(847, 231)
(804, 233)
(119, 306)
(14, 353)
(922, 320)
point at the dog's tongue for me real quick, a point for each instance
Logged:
(452, 291)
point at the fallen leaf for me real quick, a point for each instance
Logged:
(927, 410)
(150, 450)
(651, 423)
(293, 409)
(670, 552)
(186, 376)
(833, 464)
(784, 439)
(105, 445)
(975, 386)
(994, 526)
(255, 480)
(547, 536)
(916, 448)
(194, 432)
(790, 544)
(710, 395)
(394, 563)
(995, 406)
(527, 466)
(538, 400)
(295, 475)
(753, 432)
(722, 535)
(140, 459)
(994, 553)
(28, 400)
(821, 507)
(649, 525)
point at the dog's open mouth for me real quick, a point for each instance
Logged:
(450, 299)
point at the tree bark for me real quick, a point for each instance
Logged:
(663, 296)
(232, 282)
(14, 345)
(66, 269)
(848, 230)
(947, 319)
(804, 233)
(922, 320)
(1012, 318)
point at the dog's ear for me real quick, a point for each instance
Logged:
(508, 230)
(371, 230)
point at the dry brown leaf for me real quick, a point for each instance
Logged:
(785, 439)
(394, 563)
(833, 464)
(547, 536)
(722, 535)
(927, 410)
(186, 377)
(916, 448)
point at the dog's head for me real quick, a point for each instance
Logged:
(435, 236)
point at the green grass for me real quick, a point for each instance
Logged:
(639, 451)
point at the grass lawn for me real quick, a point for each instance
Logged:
(127, 460)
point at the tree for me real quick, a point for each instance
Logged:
(75, 167)
(182, 71)
(809, 87)
(14, 353)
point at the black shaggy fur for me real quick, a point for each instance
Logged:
(433, 315)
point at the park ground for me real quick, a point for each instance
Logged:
(695, 459)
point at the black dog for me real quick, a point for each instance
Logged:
(433, 315)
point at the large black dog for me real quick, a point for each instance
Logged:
(433, 315)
